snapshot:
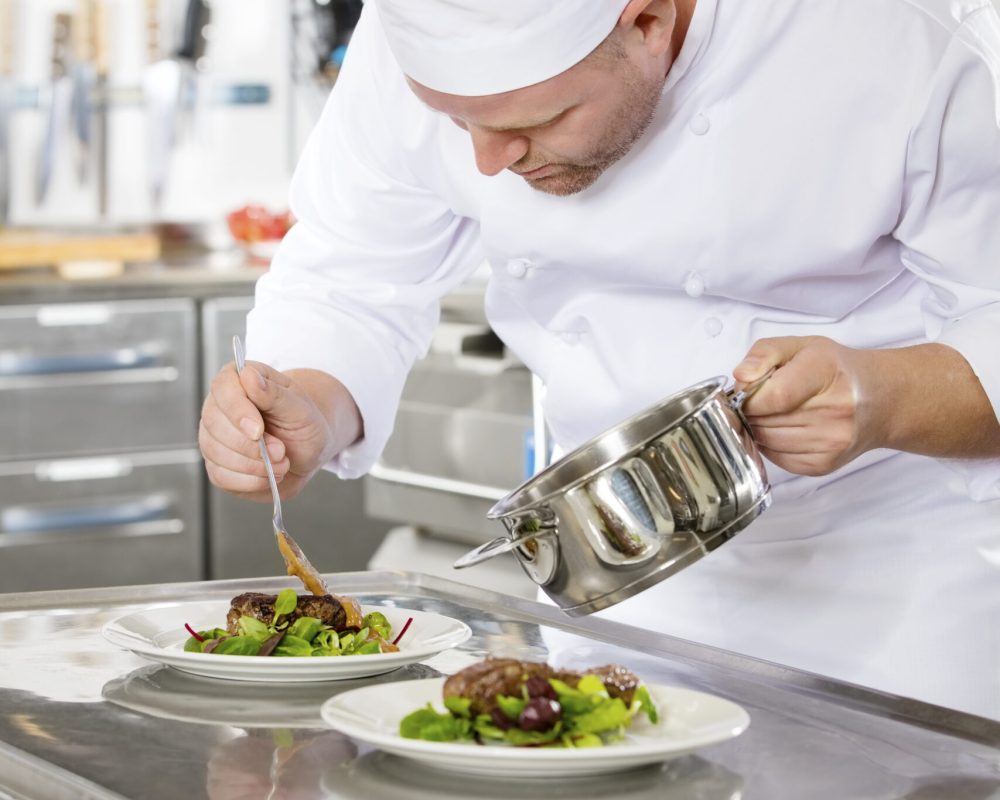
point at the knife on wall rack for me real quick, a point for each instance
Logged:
(59, 95)
(101, 49)
(170, 88)
(8, 98)
(84, 87)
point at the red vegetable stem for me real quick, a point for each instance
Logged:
(405, 629)
(194, 633)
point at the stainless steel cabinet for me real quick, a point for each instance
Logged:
(100, 521)
(327, 518)
(82, 378)
(100, 477)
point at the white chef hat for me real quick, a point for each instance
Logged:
(477, 47)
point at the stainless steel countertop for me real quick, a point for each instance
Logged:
(82, 719)
(202, 276)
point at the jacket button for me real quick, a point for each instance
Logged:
(517, 267)
(713, 326)
(694, 285)
(700, 124)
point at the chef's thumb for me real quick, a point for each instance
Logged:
(765, 355)
(268, 389)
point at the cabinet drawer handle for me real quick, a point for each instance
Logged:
(62, 380)
(73, 314)
(28, 519)
(83, 469)
(22, 364)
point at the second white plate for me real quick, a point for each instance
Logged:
(158, 634)
(690, 720)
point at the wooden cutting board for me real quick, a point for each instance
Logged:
(20, 249)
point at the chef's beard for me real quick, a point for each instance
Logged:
(627, 123)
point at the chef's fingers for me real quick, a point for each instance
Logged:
(238, 483)
(230, 449)
(228, 395)
(810, 464)
(802, 439)
(797, 379)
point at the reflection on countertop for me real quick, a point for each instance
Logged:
(378, 774)
(163, 692)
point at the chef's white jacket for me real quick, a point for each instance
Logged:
(815, 168)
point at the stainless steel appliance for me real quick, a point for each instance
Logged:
(463, 439)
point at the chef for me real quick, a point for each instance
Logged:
(668, 190)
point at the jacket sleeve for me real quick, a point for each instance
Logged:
(355, 286)
(950, 222)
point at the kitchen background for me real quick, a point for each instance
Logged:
(146, 148)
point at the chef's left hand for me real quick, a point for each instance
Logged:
(809, 417)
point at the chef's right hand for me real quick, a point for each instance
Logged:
(298, 429)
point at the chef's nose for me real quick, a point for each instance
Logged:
(496, 150)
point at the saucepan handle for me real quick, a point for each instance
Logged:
(498, 546)
(737, 399)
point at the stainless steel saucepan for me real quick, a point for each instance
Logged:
(638, 503)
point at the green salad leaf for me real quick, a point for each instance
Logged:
(643, 701)
(377, 622)
(459, 706)
(238, 646)
(285, 603)
(426, 723)
(254, 628)
(511, 706)
(193, 645)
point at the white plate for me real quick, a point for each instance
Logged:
(158, 634)
(689, 720)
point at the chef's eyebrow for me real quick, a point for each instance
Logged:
(525, 125)
(499, 128)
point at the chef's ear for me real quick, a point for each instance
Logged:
(653, 21)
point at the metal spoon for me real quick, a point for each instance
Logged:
(295, 559)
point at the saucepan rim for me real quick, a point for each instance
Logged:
(619, 446)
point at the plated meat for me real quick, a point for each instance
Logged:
(483, 681)
(326, 608)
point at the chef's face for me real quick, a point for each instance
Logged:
(562, 134)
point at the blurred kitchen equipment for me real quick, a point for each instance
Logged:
(191, 52)
(60, 97)
(100, 22)
(170, 88)
(461, 437)
(637, 503)
(84, 78)
(8, 96)
(295, 559)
